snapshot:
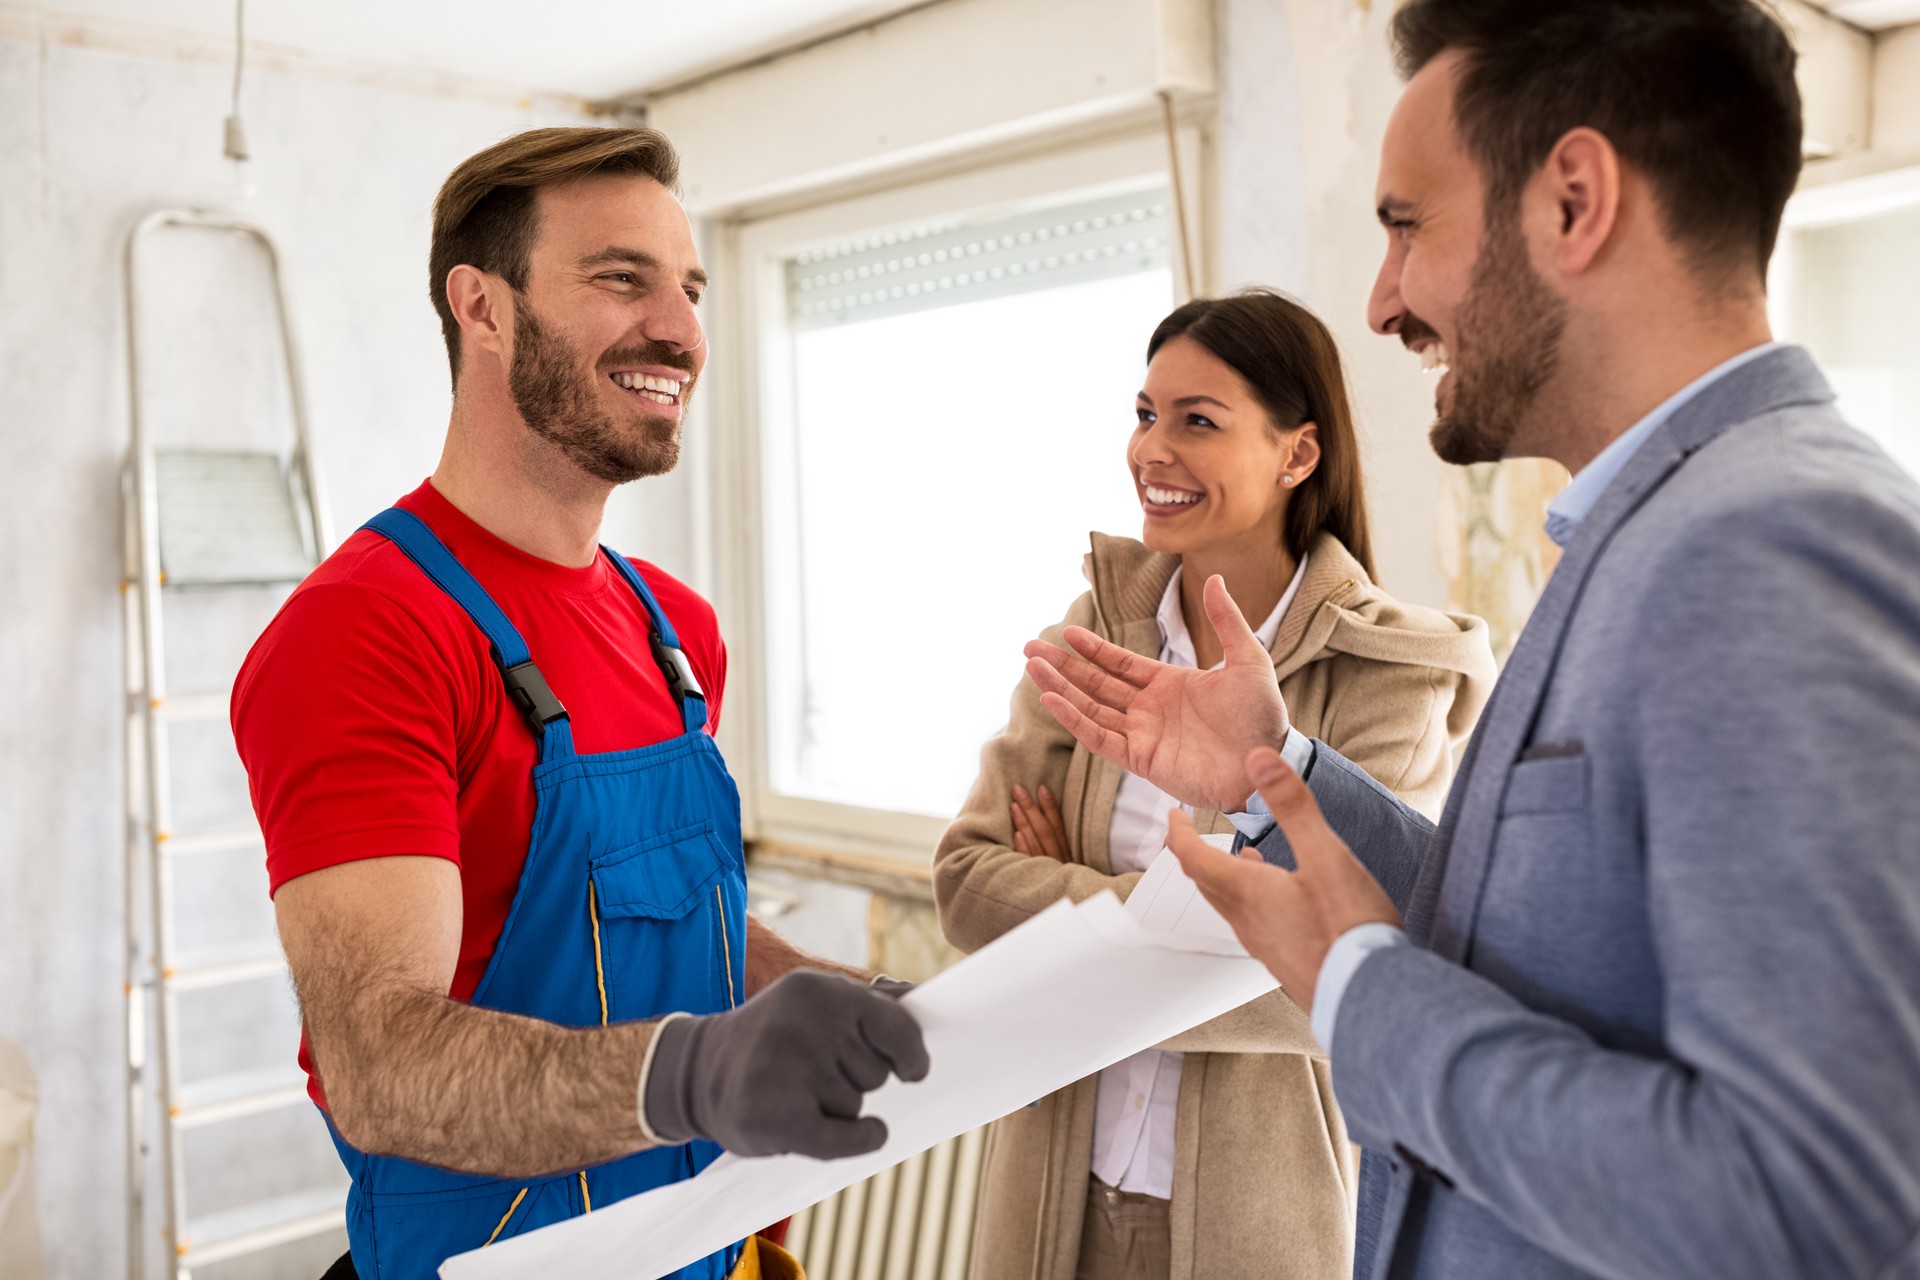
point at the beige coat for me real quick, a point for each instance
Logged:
(1263, 1172)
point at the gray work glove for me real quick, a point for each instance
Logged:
(785, 1072)
(895, 987)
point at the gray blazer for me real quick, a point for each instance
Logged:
(1662, 1017)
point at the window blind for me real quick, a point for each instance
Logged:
(941, 264)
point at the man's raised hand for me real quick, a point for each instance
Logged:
(1187, 732)
(1287, 920)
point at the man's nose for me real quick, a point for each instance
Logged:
(676, 323)
(1385, 310)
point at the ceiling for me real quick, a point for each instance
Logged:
(579, 48)
(593, 49)
(1874, 15)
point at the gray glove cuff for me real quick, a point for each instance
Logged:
(665, 1102)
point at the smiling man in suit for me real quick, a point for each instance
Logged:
(1646, 1003)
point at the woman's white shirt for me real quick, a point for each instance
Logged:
(1138, 1098)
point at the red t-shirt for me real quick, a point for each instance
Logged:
(373, 721)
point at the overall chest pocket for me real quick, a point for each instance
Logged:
(660, 923)
(663, 877)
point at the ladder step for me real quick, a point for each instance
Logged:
(241, 835)
(194, 706)
(258, 1227)
(223, 966)
(243, 1093)
(227, 518)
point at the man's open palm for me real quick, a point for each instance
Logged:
(1287, 920)
(1187, 732)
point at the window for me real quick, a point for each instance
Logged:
(1842, 288)
(944, 390)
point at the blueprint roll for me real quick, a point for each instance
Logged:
(1078, 988)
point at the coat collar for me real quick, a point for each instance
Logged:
(1129, 580)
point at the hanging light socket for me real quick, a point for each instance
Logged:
(236, 142)
(236, 148)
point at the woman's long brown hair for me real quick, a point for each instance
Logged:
(1293, 366)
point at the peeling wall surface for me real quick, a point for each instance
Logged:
(344, 175)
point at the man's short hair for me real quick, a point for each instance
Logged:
(485, 215)
(1698, 95)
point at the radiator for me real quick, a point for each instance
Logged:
(911, 1222)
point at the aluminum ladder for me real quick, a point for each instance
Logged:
(197, 520)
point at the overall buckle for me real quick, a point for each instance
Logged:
(678, 671)
(531, 693)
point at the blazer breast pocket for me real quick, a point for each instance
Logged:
(1540, 848)
(1546, 779)
(1550, 901)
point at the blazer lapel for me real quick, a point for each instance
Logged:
(1447, 900)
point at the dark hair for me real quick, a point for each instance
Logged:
(484, 215)
(1293, 366)
(1699, 95)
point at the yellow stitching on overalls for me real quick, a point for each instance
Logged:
(726, 948)
(599, 964)
(600, 980)
(501, 1225)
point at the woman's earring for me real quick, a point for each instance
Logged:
(1286, 479)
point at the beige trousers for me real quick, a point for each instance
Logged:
(1126, 1236)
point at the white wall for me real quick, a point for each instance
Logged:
(1305, 91)
(1896, 93)
(344, 174)
(1835, 74)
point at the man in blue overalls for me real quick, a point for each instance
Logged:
(504, 850)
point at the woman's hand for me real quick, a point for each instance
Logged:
(1038, 828)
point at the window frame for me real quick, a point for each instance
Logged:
(1825, 204)
(735, 490)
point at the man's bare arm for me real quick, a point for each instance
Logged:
(771, 957)
(409, 1072)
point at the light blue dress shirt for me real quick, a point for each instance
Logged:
(1576, 502)
(1564, 517)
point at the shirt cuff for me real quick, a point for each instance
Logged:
(1349, 951)
(1297, 751)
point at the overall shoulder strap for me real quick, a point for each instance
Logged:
(667, 653)
(525, 685)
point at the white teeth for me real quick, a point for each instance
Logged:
(1169, 497)
(1434, 359)
(664, 390)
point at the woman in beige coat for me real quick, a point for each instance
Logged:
(1219, 1154)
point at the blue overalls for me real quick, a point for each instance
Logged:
(632, 905)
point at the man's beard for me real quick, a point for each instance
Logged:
(561, 409)
(1509, 330)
